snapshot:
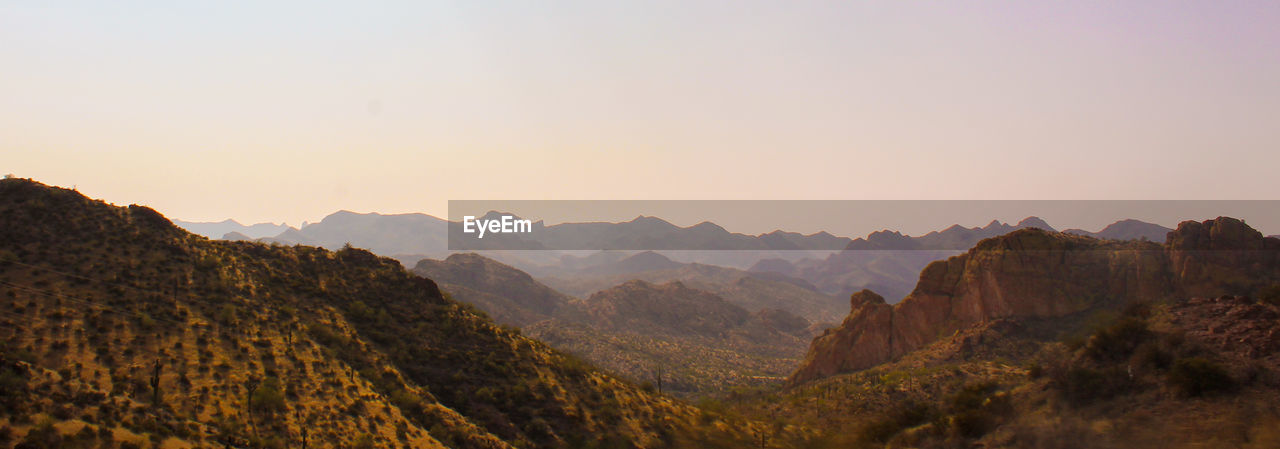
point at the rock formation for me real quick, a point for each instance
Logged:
(1032, 273)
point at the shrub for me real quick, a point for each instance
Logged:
(903, 416)
(1196, 376)
(1082, 386)
(364, 441)
(267, 398)
(978, 409)
(43, 435)
(1119, 340)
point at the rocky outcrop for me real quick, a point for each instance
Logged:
(1222, 256)
(865, 337)
(1032, 273)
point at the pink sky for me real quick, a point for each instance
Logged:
(290, 112)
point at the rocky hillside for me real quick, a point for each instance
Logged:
(1033, 273)
(120, 328)
(1189, 373)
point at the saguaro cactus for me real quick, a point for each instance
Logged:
(155, 384)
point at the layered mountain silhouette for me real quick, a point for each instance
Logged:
(117, 323)
(219, 230)
(421, 234)
(889, 261)
(387, 235)
(1037, 274)
(1127, 230)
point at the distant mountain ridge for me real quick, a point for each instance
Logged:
(387, 235)
(1127, 230)
(218, 230)
(889, 261)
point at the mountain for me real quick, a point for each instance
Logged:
(888, 261)
(236, 237)
(704, 343)
(955, 237)
(216, 230)
(1035, 274)
(652, 233)
(693, 341)
(670, 308)
(424, 234)
(386, 235)
(118, 325)
(509, 295)
(637, 263)
(1127, 230)
(751, 291)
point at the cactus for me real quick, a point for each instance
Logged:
(155, 384)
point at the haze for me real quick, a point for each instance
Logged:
(290, 111)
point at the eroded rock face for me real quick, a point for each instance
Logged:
(1222, 256)
(864, 336)
(1033, 273)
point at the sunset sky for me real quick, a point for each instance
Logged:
(279, 111)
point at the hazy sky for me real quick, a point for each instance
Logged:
(271, 111)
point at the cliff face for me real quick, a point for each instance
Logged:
(1222, 256)
(1033, 273)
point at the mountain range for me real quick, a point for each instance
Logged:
(229, 227)
(118, 329)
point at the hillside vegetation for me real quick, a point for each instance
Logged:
(121, 330)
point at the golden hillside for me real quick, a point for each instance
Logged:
(120, 330)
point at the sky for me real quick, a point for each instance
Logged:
(288, 111)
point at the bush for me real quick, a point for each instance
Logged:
(905, 415)
(43, 435)
(1196, 376)
(1082, 386)
(267, 398)
(1118, 341)
(978, 409)
(364, 441)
